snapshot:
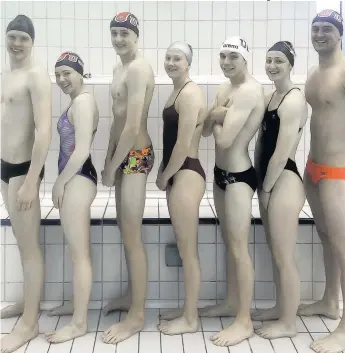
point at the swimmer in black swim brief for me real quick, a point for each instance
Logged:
(223, 178)
(11, 170)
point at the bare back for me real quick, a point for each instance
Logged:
(121, 101)
(325, 92)
(17, 118)
(236, 157)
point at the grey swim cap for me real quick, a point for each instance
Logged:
(22, 23)
(185, 48)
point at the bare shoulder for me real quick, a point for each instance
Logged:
(37, 75)
(294, 101)
(141, 66)
(192, 92)
(251, 89)
(85, 100)
(312, 72)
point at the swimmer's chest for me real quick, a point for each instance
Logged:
(325, 88)
(15, 89)
(119, 87)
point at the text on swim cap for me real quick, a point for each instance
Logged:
(234, 46)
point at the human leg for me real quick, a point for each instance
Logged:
(132, 210)
(238, 205)
(184, 214)
(329, 304)
(75, 220)
(286, 201)
(26, 227)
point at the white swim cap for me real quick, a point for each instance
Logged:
(235, 44)
(185, 48)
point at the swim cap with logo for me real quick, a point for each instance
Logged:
(72, 60)
(332, 17)
(22, 23)
(235, 45)
(127, 20)
(185, 48)
(286, 48)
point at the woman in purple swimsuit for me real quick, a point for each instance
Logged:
(75, 189)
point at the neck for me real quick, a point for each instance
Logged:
(20, 64)
(239, 78)
(77, 92)
(180, 81)
(283, 85)
(327, 60)
(129, 57)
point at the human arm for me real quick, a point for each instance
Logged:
(40, 92)
(243, 103)
(39, 86)
(291, 114)
(188, 109)
(111, 145)
(257, 150)
(136, 88)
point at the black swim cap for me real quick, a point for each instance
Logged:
(330, 16)
(72, 60)
(22, 23)
(286, 48)
(127, 20)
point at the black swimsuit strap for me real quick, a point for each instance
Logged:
(286, 95)
(270, 100)
(180, 91)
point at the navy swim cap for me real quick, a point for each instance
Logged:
(72, 60)
(286, 48)
(22, 23)
(330, 16)
(127, 20)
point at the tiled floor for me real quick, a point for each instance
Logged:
(151, 341)
(104, 207)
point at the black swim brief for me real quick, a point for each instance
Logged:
(11, 170)
(223, 178)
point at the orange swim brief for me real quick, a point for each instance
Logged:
(320, 171)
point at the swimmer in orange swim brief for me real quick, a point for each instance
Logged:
(320, 171)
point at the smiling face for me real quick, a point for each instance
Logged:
(19, 44)
(68, 79)
(277, 65)
(175, 63)
(124, 40)
(232, 63)
(324, 37)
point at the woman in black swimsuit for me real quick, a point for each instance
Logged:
(183, 178)
(280, 191)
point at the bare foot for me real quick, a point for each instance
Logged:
(65, 309)
(223, 309)
(319, 308)
(178, 326)
(20, 335)
(266, 314)
(67, 333)
(276, 329)
(123, 330)
(12, 310)
(171, 314)
(333, 343)
(118, 304)
(234, 334)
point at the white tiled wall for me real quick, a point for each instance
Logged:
(83, 26)
(165, 285)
